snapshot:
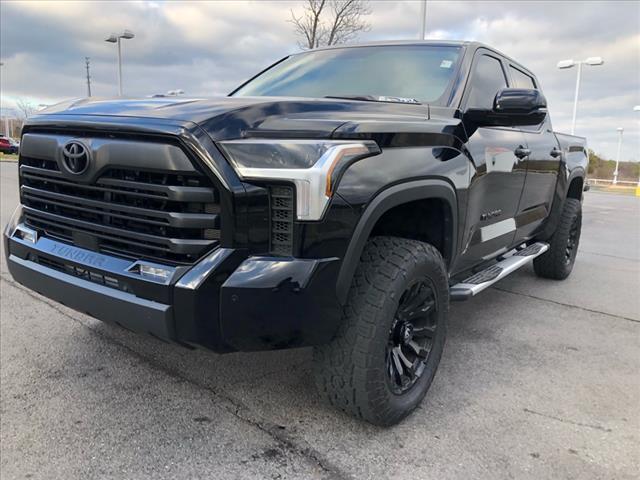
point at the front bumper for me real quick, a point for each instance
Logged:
(225, 302)
(99, 301)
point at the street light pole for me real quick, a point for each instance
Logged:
(6, 117)
(119, 68)
(637, 109)
(575, 100)
(423, 14)
(114, 38)
(593, 61)
(615, 172)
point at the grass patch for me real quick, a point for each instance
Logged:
(620, 190)
(4, 157)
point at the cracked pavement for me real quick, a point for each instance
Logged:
(539, 379)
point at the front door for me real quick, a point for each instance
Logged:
(498, 180)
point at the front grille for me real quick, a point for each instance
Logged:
(164, 216)
(282, 211)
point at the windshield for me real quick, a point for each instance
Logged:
(421, 72)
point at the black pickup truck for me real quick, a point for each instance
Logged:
(338, 199)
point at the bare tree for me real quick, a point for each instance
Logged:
(344, 23)
(348, 20)
(26, 107)
(308, 25)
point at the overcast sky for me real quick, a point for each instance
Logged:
(208, 48)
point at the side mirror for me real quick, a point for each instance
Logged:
(511, 107)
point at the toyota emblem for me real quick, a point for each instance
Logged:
(75, 157)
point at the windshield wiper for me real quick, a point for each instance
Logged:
(371, 98)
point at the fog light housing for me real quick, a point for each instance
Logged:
(153, 271)
(25, 233)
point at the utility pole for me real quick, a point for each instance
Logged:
(86, 62)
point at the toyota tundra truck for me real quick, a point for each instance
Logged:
(339, 199)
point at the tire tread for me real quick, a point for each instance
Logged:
(344, 368)
(551, 264)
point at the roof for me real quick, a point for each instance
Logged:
(447, 43)
(452, 43)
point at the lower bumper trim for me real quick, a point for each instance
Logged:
(104, 303)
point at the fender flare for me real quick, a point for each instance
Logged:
(560, 195)
(383, 202)
(576, 172)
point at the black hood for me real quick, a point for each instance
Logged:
(234, 117)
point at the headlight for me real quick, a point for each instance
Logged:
(314, 166)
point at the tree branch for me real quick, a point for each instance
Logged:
(346, 21)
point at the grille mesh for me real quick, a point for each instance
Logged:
(281, 220)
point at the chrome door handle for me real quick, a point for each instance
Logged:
(555, 153)
(522, 152)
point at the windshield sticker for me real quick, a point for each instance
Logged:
(446, 64)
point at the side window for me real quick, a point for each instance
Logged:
(488, 78)
(521, 79)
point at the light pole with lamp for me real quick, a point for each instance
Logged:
(563, 64)
(114, 38)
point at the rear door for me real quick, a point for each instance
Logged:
(542, 165)
(498, 180)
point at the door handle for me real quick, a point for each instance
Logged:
(522, 152)
(556, 152)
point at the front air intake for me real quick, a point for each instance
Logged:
(282, 213)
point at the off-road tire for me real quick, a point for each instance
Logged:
(350, 371)
(557, 262)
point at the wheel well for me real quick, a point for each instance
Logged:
(575, 188)
(428, 220)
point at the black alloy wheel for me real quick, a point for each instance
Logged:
(411, 337)
(572, 241)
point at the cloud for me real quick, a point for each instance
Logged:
(208, 48)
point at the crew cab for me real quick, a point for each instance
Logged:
(339, 199)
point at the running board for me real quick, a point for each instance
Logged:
(490, 275)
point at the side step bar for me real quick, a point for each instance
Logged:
(490, 275)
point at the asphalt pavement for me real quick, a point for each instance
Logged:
(539, 379)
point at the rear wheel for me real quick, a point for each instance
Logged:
(557, 262)
(384, 358)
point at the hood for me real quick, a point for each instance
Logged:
(234, 117)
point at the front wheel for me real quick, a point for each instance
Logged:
(557, 262)
(385, 355)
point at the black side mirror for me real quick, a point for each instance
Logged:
(511, 107)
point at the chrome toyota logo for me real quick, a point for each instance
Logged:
(75, 157)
